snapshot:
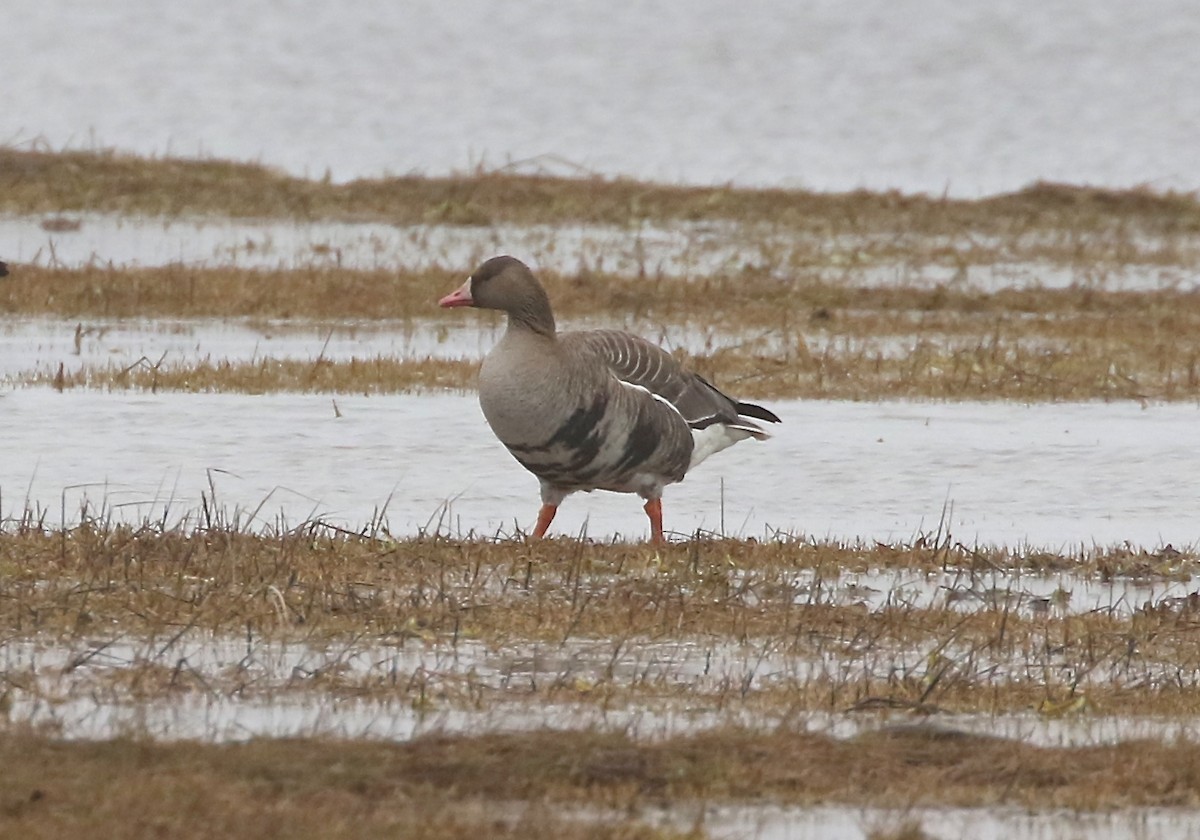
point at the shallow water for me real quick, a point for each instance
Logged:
(681, 250)
(1025, 593)
(1059, 476)
(41, 344)
(929, 95)
(846, 823)
(684, 249)
(227, 688)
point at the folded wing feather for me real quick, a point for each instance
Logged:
(637, 362)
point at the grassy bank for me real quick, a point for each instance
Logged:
(517, 785)
(58, 182)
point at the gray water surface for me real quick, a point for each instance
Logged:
(930, 95)
(1056, 476)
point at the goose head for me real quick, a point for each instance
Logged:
(505, 283)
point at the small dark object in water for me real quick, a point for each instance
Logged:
(61, 224)
(3, 269)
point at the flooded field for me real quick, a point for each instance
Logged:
(225, 688)
(258, 544)
(941, 667)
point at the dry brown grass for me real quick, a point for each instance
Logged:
(926, 372)
(47, 182)
(375, 375)
(798, 301)
(800, 337)
(281, 789)
(179, 292)
(307, 788)
(316, 587)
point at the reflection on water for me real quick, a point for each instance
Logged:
(231, 688)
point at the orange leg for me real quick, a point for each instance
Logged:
(545, 517)
(653, 509)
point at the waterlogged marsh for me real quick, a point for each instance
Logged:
(223, 634)
(682, 249)
(220, 689)
(374, 332)
(1009, 581)
(682, 683)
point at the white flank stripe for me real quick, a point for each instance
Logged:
(658, 397)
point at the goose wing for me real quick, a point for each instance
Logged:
(640, 363)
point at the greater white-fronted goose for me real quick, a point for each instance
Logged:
(597, 409)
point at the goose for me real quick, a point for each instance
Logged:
(593, 409)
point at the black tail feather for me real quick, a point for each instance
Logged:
(757, 412)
